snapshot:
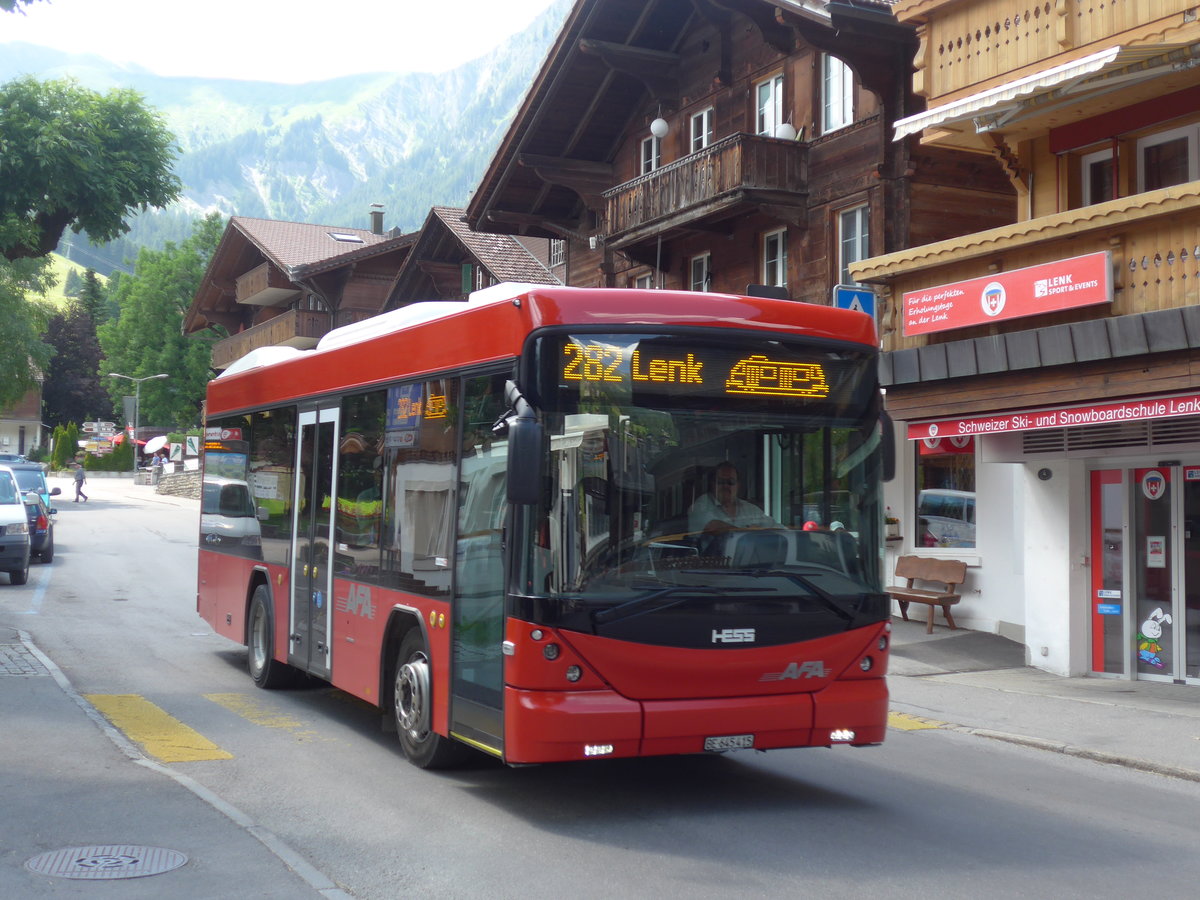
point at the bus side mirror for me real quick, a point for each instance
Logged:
(526, 438)
(525, 453)
(889, 445)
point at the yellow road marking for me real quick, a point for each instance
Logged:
(162, 736)
(905, 722)
(253, 710)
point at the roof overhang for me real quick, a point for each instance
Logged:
(1001, 108)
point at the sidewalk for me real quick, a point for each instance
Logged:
(67, 784)
(979, 683)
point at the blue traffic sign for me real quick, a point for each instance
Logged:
(851, 296)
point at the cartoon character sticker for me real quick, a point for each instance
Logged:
(1149, 648)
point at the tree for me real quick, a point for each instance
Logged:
(15, 5)
(23, 355)
(73, 158)
(73, 284)
(93, 298)
(72, 390)
(147, 337)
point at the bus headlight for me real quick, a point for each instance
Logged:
(574, 673)
(866, 664)
(550, 651)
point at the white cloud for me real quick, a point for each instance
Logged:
(274, 40)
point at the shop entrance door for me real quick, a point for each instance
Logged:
(1145, 597)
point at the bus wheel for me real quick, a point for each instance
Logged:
(413, 699)
(265, 669)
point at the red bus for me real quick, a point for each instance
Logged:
(557, 523)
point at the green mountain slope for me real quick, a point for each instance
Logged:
(321, 152)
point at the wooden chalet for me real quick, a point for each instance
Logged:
(716, 144)
(448, 261)
(1065, 344)
(287, 283)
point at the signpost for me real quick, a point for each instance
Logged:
(855, 297)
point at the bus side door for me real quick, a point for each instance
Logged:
(312, 541)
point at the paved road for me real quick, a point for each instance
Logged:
(308, 778)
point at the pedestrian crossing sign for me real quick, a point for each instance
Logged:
(852, 296)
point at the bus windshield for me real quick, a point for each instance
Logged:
(697, 479)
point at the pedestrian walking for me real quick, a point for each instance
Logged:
(80, 478)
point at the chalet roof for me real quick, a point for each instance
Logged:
(504, 257)
(444, 242)
(300, 249)
(612, 60)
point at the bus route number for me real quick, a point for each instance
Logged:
(593, 362)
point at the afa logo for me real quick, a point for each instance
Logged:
(1154, 484)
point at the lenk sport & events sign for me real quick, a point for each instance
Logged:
(1050, 287)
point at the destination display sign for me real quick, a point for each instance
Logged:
(1050, 287)
(659, 369)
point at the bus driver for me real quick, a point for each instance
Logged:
(722, 510)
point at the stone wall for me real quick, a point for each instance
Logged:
(180, 484)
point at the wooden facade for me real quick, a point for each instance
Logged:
(276, 283)
(1069, 102)
(726, 185)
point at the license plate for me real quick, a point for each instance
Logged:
(729, 742)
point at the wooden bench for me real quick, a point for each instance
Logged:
(949, 573)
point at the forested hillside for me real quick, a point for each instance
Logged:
(321, 152)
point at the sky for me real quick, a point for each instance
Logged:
(291, 41)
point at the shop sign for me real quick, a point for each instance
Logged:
(1050, 287)
(1063, 417)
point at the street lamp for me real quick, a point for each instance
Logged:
(137, 399)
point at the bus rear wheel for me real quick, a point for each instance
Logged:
(412, 696)
(265, 669)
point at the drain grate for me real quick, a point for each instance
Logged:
(15, 659)
(105, 862)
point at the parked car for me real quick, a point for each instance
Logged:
(41, 526)
(31, 476)
(14, 529)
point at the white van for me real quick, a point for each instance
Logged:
(228, 519)
(946, 518)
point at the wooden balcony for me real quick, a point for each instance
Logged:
(725, 178)
(966, 44)
(294, 328)
(1154, 239)
(265, 286)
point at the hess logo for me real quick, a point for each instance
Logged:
(733, 636)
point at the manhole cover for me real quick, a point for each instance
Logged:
(106, 862)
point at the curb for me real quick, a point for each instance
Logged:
(1112, 759)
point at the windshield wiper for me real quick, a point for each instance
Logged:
(827, 599)
(639, 604)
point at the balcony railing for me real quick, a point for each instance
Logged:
(737, 169)
(294, 328)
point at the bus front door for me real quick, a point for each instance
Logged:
(312, 542)
(477, 682)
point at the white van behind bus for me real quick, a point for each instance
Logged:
(947, 518)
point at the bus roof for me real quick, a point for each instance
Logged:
(492, 325)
